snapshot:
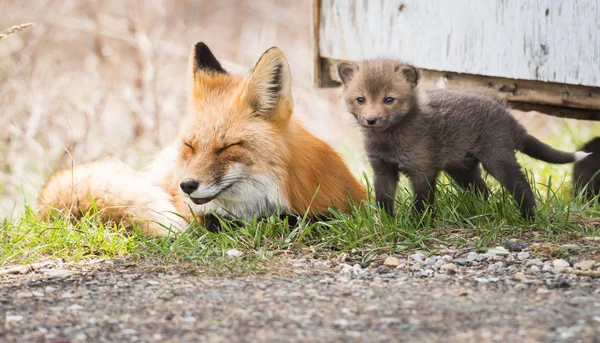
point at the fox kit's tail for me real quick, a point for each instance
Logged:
(118, 192)
(536, 149)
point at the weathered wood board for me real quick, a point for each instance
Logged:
(544, 40)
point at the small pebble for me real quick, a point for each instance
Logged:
(346, 272)
(523, 255)
(322, 264)
(57, 272)
(417, 257)
(446, 258)
(515, 245)
(520, 276)
(473, 256)
(534, 269)
(542, 290)
(449, 268)
(572, 248)
(391, 261)
(498, 251)
(561, 269)
(520, 286)
(430, 261)
(426, 273)
(585, 265)
(441, 277)
(534, 262)
(417, 266)
(76, 307)
(560, 263)
(462, 261)
(24, 294)
(383, 269)
(234, 253)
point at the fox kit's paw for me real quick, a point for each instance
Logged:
(211, 223)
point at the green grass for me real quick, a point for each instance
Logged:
(461, 218)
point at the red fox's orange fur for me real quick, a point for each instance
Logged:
(240, 152)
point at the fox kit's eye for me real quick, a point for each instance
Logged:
(360, 100)
(388, 100)
(189, 146)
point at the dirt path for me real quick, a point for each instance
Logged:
(305, 301)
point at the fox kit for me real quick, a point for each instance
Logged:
(422, 133)
(240, 153)
(586, 173)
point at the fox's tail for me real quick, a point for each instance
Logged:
(541, 151)
(119, 193)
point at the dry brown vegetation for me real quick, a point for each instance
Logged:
(99, 78)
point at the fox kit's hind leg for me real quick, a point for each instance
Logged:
(385, 181)
(586, 172)
(506, 169)
(424, 188)
(469, 176)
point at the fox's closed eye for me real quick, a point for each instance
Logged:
(191, 147)
(388, 100)
(230, 145)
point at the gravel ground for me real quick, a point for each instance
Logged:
(497, 296)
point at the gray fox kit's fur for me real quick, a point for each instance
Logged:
(586, 173)
(421, 133)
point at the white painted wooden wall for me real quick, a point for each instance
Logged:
(545, 40)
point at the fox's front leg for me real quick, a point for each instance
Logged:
(424, 189)
(386, 183)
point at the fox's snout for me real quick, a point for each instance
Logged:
(199, 194)
(189, 186)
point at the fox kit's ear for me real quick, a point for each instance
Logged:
(410, 73)
(203, 60)
(347, 71)
(269, 83)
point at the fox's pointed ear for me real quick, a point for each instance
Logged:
(347, 71)
(269, 84)
(203, 60)
(410, 73)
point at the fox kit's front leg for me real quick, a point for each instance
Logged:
(385, 183)
(424, 189)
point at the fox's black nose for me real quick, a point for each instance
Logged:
(371, 120)
(189, 185)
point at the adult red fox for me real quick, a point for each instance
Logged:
(240, 153)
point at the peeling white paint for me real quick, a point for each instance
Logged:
(544, 40)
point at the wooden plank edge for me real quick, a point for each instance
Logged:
(557, 111)
(317, 63)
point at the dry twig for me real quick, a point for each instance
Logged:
(15, 29)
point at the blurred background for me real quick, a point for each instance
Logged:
(108, 78)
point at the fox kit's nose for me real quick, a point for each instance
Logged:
(371, 120)
(189, 185)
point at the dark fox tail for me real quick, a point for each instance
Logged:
(541, 151)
